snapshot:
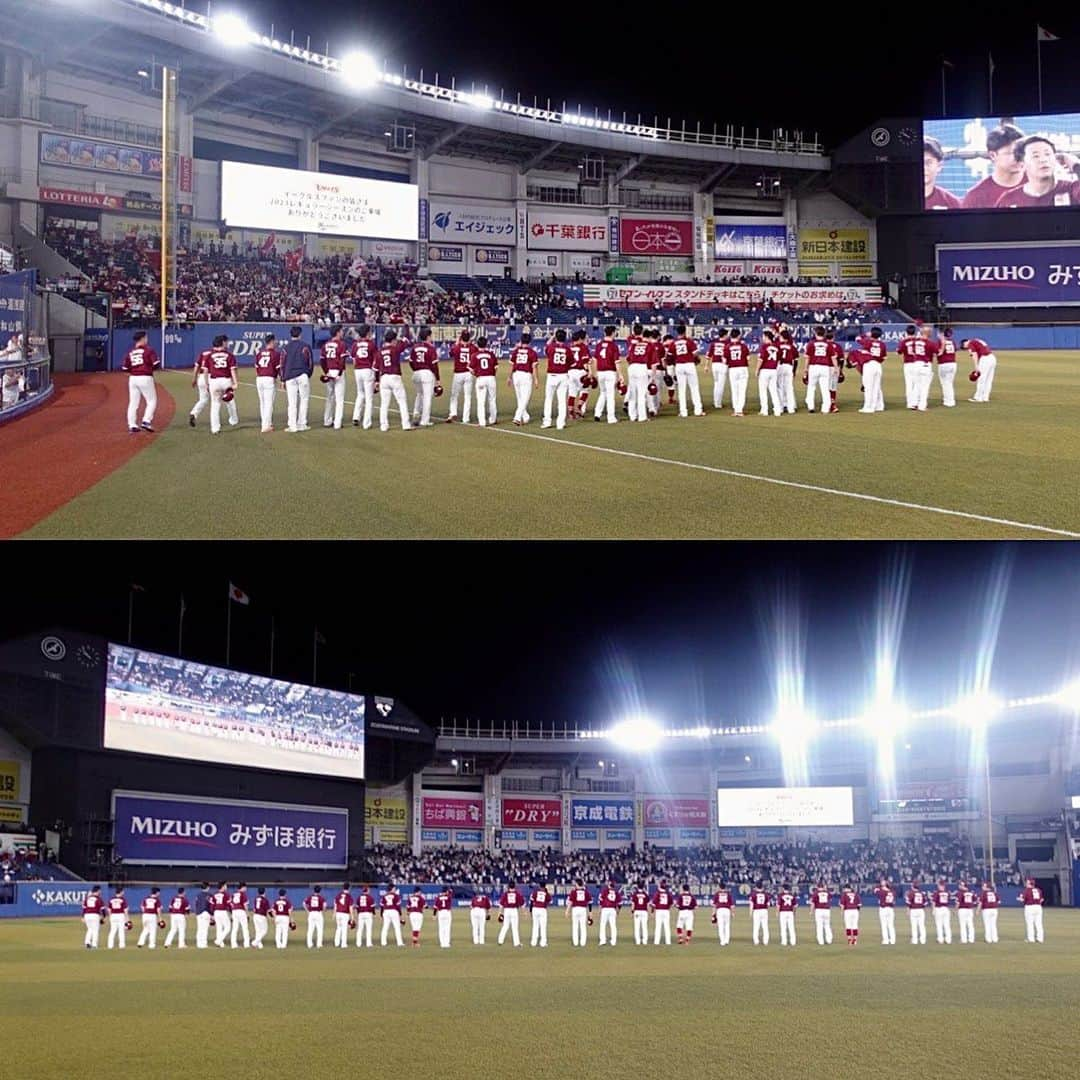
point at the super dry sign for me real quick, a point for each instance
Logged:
(531, 813)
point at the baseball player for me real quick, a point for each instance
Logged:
(238, 903)
(660, 902)
(639, 904)
(390, 903)
(684, 921)
(886, 898)
(723, 905)
(850, 903)
(989, 901)
(178, 913)
(444, 915)
(151, 912)
(578, 394)
(479, 916)
(610, 901)
(916, 900)
(874, 351)
(768, 387)
(916, 352)
(363, 354)
(260, 917)
(510, 904)
(787, 901)
(965, 912)
(365, 916)
(424, 361)
(941, 898)
(388, 381)
(296, 369)
(984, 365)
(219, 900)
(267, 369)
(580, 901)
(1033, 899)
(485, 362)
(639, 350)
(785, 373)
(204, 916)
(140, 362)
(820, 362)
(414, 907)
(332, 361)
(93, 913)
(557, 384)
(538, 907)
(343, 906)
(682, 352)
(523, 380)
(946, 368)
(759, 914)
(821, 903)
(199, 378)
(221, 364)
(716, 352)
(283, 923)
(461, 382)
(737, 359)
(606, 364)
(836, 376)
(118, 919)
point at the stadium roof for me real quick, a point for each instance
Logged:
(298, 91)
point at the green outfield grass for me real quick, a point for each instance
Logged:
(990, 1011)
(1014, 460)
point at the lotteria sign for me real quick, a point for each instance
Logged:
(531, 813)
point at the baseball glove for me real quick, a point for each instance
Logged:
(653, 388)
(324, 378)
(669, 381)
(974, 376)
(438, 391)
(128, 925)
(228, 394)
(501, 917)
(292, 925)
(161, 924)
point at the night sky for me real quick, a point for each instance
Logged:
(828, 69)
(576, 632)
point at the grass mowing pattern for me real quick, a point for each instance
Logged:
(1014, 459)
(1007, 1010)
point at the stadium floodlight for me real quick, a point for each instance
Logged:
(359, 70)
(454, 762)
(1069, 696)
(746, 758)
(792, 726)
(478, 101)
(886, 719)
(637, 733)
(231, 29)
(977, 710)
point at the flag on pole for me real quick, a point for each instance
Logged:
(990, 57)
(268, 244)
(319, 639)
(238, 596)
(136, 588)
(1045, 35)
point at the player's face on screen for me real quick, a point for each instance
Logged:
(931, 168)
(1039, 159)
(1006, 168)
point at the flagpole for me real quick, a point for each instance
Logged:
(228, 625)
(1038, 63)
(131, 610)
(180, 629)
(271, 644)
(315, 658)
(990, 59)
(944, 111)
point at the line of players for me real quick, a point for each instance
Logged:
(226, 911)
(636, 371)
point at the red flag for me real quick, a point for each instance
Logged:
(268, 244)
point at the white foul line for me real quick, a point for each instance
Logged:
(716, 470)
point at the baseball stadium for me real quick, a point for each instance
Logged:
(197, 178)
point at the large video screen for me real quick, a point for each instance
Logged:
(176, 708)
(1001, 163)
(749, 807)
(293, 200)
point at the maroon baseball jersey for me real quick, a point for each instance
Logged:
(424, 357)
(461, 353)
(179, 905)
(787, 901)
(93, 904)
(388, 359)
(151, 905)
(315, 902)
(683, 350)
(540, 898)
(686, 901)
(524, 358)
(639, 900)
(415, 902)
(916, 898)
(965, 898)
(1063, 193)
(117, 905)
(947, 352)
(737, 353)
(932, 348)
(1032, 894)
(850, 900)
(940, 199)
(978, 347)
(989, 899)
(788, 353)
(580, 354)
(769, 355)
(365, 902)
(986, 194)
(238, 901)
(610, 897)
(580, 897)
(512, 898)
(343, 902)
(638, 350)
(820, 899)
(886, 896)
(716, 351)
(819, 352)
(261, 905)
(282, 906)
(267, 363)
(607, 355)
(390, 901)
(481, 902)
(201, 361)
(485, 362)
(333, 356)
(444, 902)
(759, 899)
(723, 898)
(140, 361)
(220, 364)
(913, 349)
(662, 900)
(940, 897)
(558, 358)
(219, 901)
(363, 353)
(875, 349)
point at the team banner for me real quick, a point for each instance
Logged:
(1009, 275)
(744, 239)
(486, 223)
(79, 153)
(9, 781)
(728, 295)
(452, 810)
(440, 253)
(602, 812)
(564, 230)
(531, 813)
(660, 812)
(188, 830)
(387, 810)
(834, 245)
(492, 256)
(656, 236)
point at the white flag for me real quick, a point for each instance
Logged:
(1045, 35)
(238, 596)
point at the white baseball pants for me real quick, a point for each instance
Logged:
(202, 929)
(281, 931)
(461, 384)
(607, 926)
(1033, 922)
(579, 926)
(443, 922)
(334, 409)
(341, 929)
(298, 397)
(204, 394)
(141, 388)
(818, 380)
(719, 378)
(478, 921)
(240, 929)
(217, 388)
(641, 928)
(943, 925)
(486, 402)
(638, 387)
(222, 925)
(986, 367)
(265, 386)
(93, 930)
(917, 918)
(148, 934)
(605, 397)
(364, 922)
(823, 924)
(917, 375)
(423, 390)
(662, 927)
(887, 919)
(946, 374)
(787, 927)
(391, 920)
(365, 396)
(739, 379)
(965, 918)
(262, 928)
(393, 385)
(523, 387)
(760, 926)
(871, 384)
(785, 383)
(556, 388)
(768, 391)
(177, 930)
(686, 377)
(315, 929)
(510, 926)
(990, 929)
(723, 924)
(117, 933)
